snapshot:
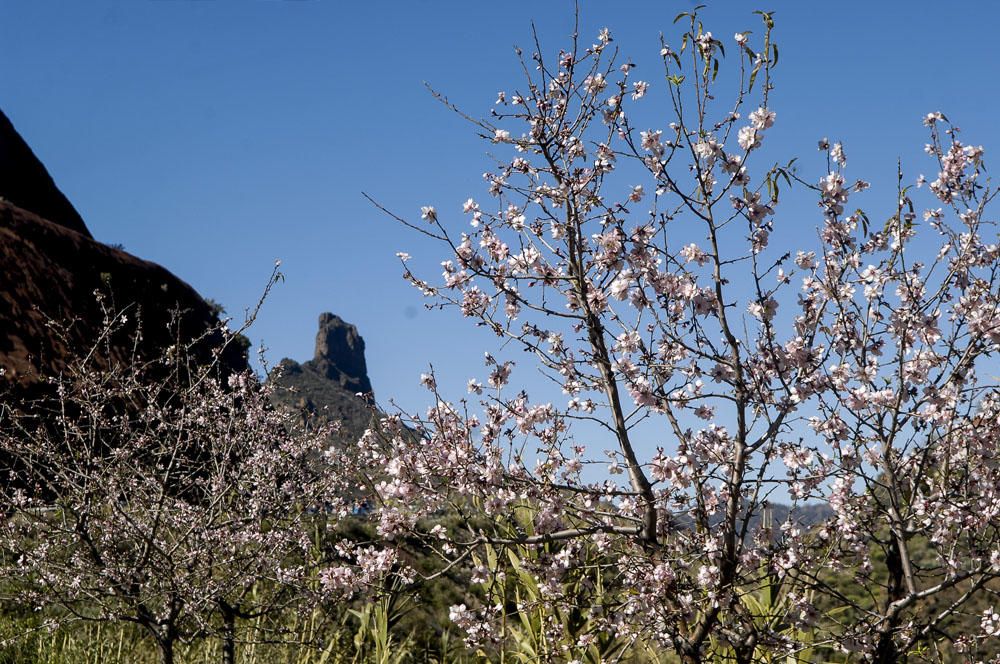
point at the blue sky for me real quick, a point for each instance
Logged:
(213, 137)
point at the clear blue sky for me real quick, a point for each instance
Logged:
(213, 137)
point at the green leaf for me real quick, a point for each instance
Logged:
(768, 20)
(865, 222)
(753, 76)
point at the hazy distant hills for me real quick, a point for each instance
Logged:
(803, 515)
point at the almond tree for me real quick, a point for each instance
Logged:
(706, 370)
(162, 494)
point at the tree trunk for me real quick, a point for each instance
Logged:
(690, 657)
(166, 643)
(164, 635)
(886, 651)
(228, 634)
(745, 650)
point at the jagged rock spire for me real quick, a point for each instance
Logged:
(340, 354)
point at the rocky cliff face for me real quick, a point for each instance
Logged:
(25, 183)
(340, 354)
(50, 269)
(327, 387)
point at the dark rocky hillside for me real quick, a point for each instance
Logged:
(334, 385)
(50, 269)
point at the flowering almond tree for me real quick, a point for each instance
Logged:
(706, 370)
(156, 493)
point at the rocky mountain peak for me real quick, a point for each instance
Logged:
(340, 354)
(325, 388)
(25, 182)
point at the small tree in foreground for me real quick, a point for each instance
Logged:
(707, 370)
(159, 493)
